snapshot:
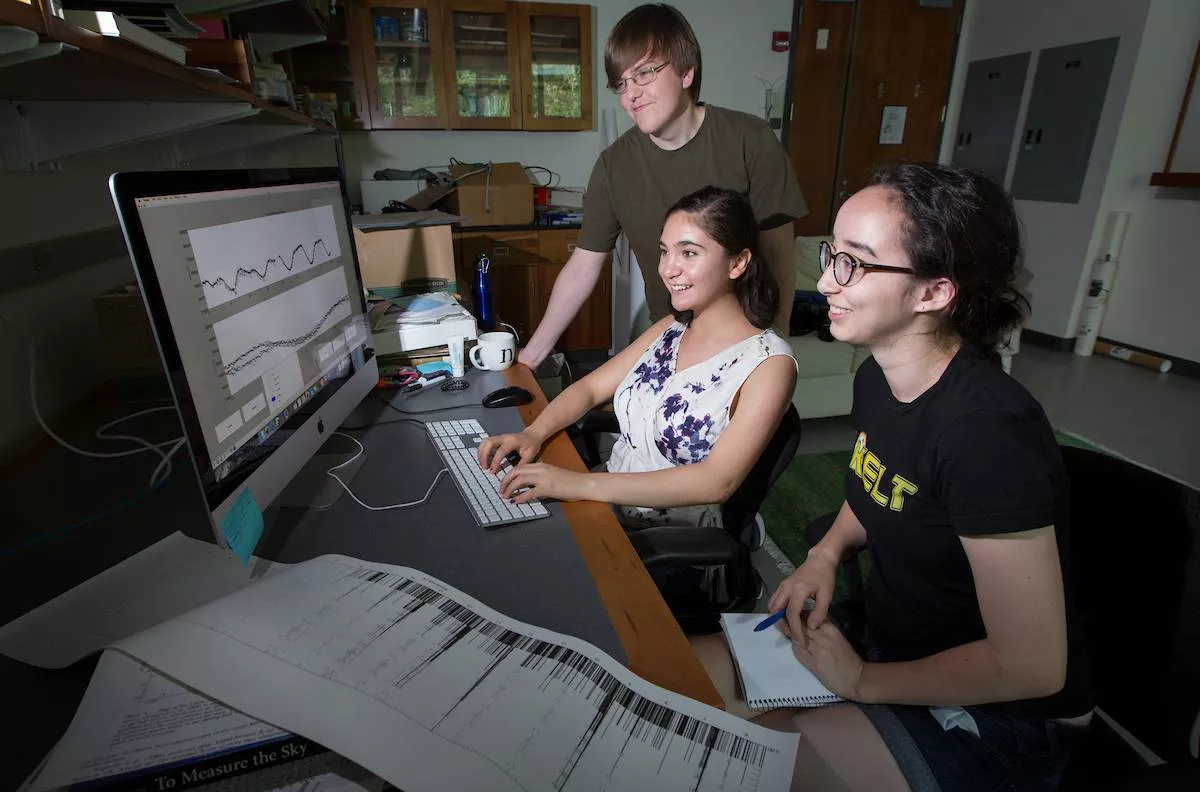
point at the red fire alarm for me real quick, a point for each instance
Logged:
(780, 41)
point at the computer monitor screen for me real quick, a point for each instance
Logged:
(253, 290)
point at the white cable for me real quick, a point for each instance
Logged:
(145, 444)
(1195, 746)
(164, 466)
(516, 335)
(349, 492)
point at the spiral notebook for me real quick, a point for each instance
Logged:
(771, 675)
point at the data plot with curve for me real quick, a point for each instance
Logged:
(256, 340)
(234, 259)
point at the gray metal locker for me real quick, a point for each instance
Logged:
(1060, 127)
(988, 118)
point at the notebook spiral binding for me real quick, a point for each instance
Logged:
(792, 701)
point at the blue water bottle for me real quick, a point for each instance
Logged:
(482, 292)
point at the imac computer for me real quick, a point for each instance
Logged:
(252, 286)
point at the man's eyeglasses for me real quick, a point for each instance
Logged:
(643, 76)
(846, 266)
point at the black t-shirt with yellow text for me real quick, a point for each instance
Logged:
(974, 455)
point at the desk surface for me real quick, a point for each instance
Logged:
(657, 649)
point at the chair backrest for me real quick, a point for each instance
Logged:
(738, 512)
(1131, 541)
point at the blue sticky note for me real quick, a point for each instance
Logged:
(242, 525)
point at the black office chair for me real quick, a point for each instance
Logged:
(1131, 541)
(672, 554)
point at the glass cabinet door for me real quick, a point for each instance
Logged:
(404, 75)
(482, 64)
(556, 66)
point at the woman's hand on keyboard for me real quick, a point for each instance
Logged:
(493, 450)
(538, 481)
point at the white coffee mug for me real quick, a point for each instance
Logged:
(494, 351)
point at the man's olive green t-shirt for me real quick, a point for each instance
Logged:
(635, 182)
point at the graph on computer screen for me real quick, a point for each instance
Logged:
(238, 258)
(262, 340)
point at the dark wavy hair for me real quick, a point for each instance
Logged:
(962, 226)
(727, 217)
(658, 29)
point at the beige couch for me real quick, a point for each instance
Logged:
(825, 384)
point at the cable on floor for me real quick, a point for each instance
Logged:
(346, 487)
(160, 472)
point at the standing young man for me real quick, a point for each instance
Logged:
(677, 146)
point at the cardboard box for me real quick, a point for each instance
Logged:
(406, 252)
(504, 199)
(125, 328)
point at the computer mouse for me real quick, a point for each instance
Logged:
(512, 396)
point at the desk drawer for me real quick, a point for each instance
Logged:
(504, 248)
(557, 245)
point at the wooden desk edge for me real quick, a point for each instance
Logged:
(657, 649)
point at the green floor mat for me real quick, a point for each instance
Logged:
(812, 486)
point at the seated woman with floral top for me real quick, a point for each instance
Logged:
(698, 396)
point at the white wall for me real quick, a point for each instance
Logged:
(1153, 304)
(736, 42)
(1059, 237)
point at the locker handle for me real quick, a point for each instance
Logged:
(1028, 137)
(1038, 137)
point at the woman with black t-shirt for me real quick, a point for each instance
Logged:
(974, 675)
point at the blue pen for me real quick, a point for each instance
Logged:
(770, 620)
(809, 604)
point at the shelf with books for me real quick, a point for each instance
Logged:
(98, 68)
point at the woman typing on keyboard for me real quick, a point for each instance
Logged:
(698, 395)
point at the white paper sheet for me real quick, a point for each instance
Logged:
(432, 690)
(168, 578)
(135, 727)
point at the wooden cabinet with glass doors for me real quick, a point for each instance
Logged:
(403, 62)
(482, 64)
(556, 65)
(455, 64)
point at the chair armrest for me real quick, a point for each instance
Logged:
(684, 544)
(595, 421)
(586, 430)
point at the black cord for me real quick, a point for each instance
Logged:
(388, 404)
(380, 423)
(551, 176)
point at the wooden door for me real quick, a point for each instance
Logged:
(819, 71)
(852, 61)
(403, 59)
(482, 64)
(555, 47)
(902, 57)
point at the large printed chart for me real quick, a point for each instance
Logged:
(254, 341)
(432, 690)
(234, 259)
